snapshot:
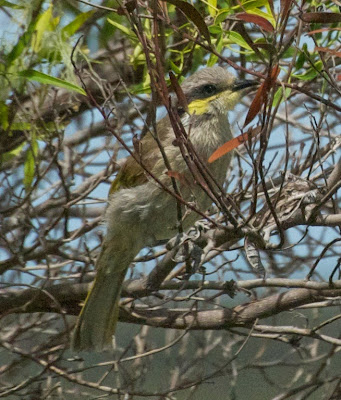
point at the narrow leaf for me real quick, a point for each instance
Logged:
(285, 7)
(192, 14)
(233, 143)
(311, 73)
(321, 17)
(21, 44)
(71, 28)
(222, 15)
(250, 4)
(121, 27)
(271, 6)
(261, 96)
(212, 7)
(29, 165)
(9, 155)
(279, 97)
(300, 60)
(28, 170)
(228, 146)
(4, 3)
(269, 17)
(42, 26)
(323, 30)
(257, 20)
(219, 46)
(240, 28)
(40, 77)
(182, 101)
(330, 51)
(3, 115)
(257, 103)
(237, 38)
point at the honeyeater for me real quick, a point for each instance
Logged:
(140, 212)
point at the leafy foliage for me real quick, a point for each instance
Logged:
(80, 86)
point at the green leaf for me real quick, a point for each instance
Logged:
(3, 115)
(29, 166)
(236, 38)
(222, 15)
(21, 126)
(213, 58)
(40, 77)
(122, 28)
(311, 73)
(215, 29)
(74, 25)
(175, 68)
(21, 44)
(300, 60)
(279, 96)
(43, 24)
(212, 7)
(4, 3)
(5, 157)
(251, 4)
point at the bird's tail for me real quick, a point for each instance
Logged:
(97, 320)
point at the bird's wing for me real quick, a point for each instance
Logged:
(132, 174)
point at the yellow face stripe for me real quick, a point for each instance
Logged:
(200, 106)
(227, 101)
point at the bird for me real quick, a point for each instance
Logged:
(140, 212)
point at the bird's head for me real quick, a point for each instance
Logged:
(213, 90)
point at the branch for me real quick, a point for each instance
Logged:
(66, 298)
(241, 316)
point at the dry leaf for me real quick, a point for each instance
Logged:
(261, 96)
(192, 14)
(323, 30)
(233, 143)
(330, 51)
(285, 7)
(321, 17)
(182, 101)
(257, 20)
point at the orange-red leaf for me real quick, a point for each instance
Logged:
(256, 19)
(256, 105)
(261, 96)
(228, 146)
(330, 51)
(233, 143)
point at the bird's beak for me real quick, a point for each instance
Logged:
(240, 85)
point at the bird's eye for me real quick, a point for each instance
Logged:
(209, 90)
